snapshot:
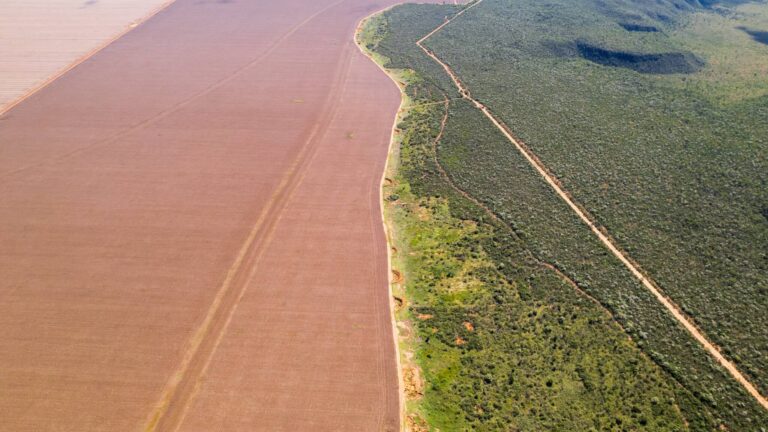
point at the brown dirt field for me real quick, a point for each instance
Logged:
(40, 39)
(184, 247)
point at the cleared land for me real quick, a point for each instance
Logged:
(190, 230)
(40, 39)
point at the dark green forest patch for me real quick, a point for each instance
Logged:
(661, 63)
(757, 35)
(639, 28)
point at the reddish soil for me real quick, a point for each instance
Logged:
(185, 247)
(42, 39)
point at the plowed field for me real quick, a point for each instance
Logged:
(190, 232)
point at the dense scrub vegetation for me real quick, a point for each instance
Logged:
(679, 179)
(506, 343)
(528, 325)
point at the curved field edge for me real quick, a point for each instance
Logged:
(490, 343)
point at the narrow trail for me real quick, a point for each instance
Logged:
(544, 264)
(547, 265)
(604, 238)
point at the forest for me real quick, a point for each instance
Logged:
(560, 335)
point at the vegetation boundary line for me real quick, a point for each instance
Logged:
(387, 230)
(547, 265)
(544, 172)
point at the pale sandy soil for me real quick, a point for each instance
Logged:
(41, 38)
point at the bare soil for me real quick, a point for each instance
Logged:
(42, 39)
(184, 247)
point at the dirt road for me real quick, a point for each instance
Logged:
(534, 161)
(190, 233)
